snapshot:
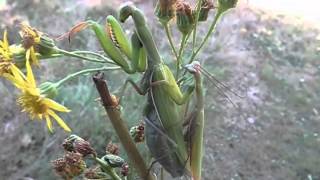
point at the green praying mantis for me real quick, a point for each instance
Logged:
(165, 135)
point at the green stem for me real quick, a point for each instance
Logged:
(167, 29)
(182, 45)
(212, 27)
(94, 54)
(72, 54)
(199, 2)
(106, 168)
(50, 56)
(85, 71)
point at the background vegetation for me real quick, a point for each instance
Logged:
(273, 60)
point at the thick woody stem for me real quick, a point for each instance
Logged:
(113, 110)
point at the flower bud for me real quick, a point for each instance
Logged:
(165, 10)
(46, 45)
(112, 149)
(224, 5)
(83, 147)
(137, 133)
(94, 173)
(185, 19)
(124, 169)
(49, 89)
(206, 6)
(75, 143)
(60, 167)
(113, 160)
(68, 142)
(75, 163)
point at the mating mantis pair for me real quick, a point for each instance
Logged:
(165, 135)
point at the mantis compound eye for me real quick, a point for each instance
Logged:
(193, 67)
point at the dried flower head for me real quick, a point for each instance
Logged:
(83, 147)
(70, 166)
(94, 173)
(61, 168)
(75, 143)
(112, 149)
(137, 133)
(165, 10)
(75, 163)
(124, 169)
(205, 8)
(30, 39)
(185, 19)
(227, 4)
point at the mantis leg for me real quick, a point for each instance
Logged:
(139, 89)
(142, 31)
(139, 56)
(116, 45)
(171, 87)
(196, 125)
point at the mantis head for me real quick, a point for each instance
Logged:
(193, 67)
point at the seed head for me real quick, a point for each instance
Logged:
(94, 173)
(165, 10)
(124, 169)
(224, 5)
(112, 149)
(185, 19)
(137, 133)
(84, 148)
(75, 163)
(206, 6)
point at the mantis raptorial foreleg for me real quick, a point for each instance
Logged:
(197, 124)
(131, 57)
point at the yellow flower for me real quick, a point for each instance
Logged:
(33, 100)
(30, 38)
(5, 55)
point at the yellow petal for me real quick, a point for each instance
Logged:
(55, 106)
(28, 54)
(34, 58)
(49, 123)
(18, 75)
(5, 40)
(59, 121)
(33, 91)
(30, 77)
(14, 81)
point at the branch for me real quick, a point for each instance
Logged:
(113, 110)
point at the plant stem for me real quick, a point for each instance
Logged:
(212, 27)
(109, 170)
(71, 54)
(199, 2)
(167, 29)
(182, 45)
(85, 71)
(50, 56)
(113, 110)
(94, 54)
